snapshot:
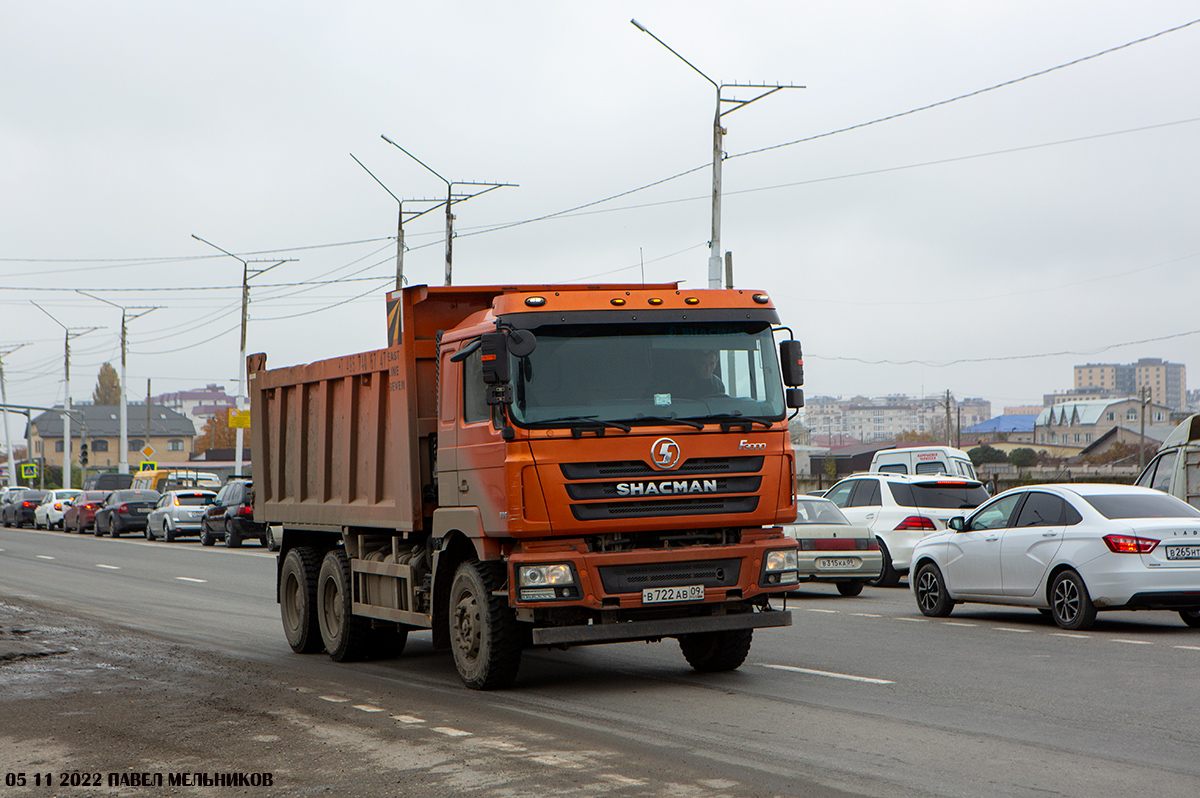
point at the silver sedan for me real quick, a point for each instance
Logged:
(178, 513)
(831, 548)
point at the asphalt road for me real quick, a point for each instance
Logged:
(862, 696)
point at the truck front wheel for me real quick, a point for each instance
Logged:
(709, 652)
(298, 599)
(347, 636)
(484, 635)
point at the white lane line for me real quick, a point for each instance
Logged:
(407, 719)
(368, 708)
(960, 623)
(624, 781)
(865, 615)
(44, 557)
(109, 567)
(502, 745)
(912, 620)
(1189, 648)
(1010, 629)
(556, 761)
(845, 676)
(1132, 642)
(190, 579)
(1068, 634)
(451, 732)
(814, 609)
(334, 699)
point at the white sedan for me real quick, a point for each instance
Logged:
(1068, 551)
(49, 513)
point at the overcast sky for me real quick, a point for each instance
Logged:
(984, 245)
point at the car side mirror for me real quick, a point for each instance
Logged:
(957, 523)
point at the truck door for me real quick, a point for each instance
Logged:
(480, 449)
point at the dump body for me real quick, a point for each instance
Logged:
(586, 482)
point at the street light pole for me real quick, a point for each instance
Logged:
(70, 333)
(452, 199)
(714, 255)
(123, 458)
(399, 222)
(247, 275)
(12, 465)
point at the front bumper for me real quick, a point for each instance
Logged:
(628, 631)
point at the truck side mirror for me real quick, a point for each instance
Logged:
(494, 357)
(792, 360)
(795, 398)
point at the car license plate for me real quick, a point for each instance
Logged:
(1183, 552)
(660, 595)
(829, 563)
(141, 510)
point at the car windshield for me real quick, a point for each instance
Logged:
(956, 495)
(819, 512)
(644, 374)
(1141, 505)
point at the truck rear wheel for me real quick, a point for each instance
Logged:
(298, 599)
(710, 652)
(484, 635)
(347, 637)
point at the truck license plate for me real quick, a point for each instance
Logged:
(1183, 552)
(827, 563)
(660, 595)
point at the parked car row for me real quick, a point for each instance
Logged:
(227, 514)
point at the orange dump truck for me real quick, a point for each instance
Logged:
(550, 465)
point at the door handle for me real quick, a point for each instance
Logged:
(1049, 534)
(870, 516)
(991, 540)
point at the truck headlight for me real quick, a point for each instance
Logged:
(779, 568)
(781, 560)
(544, 575)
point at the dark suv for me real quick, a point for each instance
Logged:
(19, 506)
(231, 516)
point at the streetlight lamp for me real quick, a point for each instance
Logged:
(247, 274)
(123, 459)
(714, 255)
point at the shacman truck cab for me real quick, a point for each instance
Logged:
(545, 465)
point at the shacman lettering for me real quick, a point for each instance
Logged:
(666, 487)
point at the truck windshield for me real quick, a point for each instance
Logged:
(648, 374)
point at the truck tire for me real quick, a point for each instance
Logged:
(710, 652)
(233, 538)
(484, 634)
(298, 599)
(347, 637)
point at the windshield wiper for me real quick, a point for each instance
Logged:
(578, 422)
(730, 420)
(670, 420)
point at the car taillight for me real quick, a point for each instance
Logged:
(176, 501)
(868, 545)
(1129, 544)
(28, 504)
(246, 510)
(836, 544)
(124, 508)
(917, 522)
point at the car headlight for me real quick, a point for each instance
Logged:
(781, 560)
(544, 575)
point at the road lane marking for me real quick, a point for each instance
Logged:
(865, 615)
(407, 719)
(1068, 634)
(831, 675)
(368, 708)
(334, 699)
(190, 579)
(814, 609)
(1010, 629)
(502, 745)
(1189, 648)
(960, 623)
(451, 732)
(624, 781)
(109, 567)
(44, 557)
(912, 620)
(1132, 642)
(556, 761)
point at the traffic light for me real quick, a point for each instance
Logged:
(83, 456)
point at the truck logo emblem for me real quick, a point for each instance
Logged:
(665, 453)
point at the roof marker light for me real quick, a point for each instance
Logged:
(535, 301)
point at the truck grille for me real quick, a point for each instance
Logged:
(635, 578)
(700, 486)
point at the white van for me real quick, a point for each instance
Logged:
(924, 460)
